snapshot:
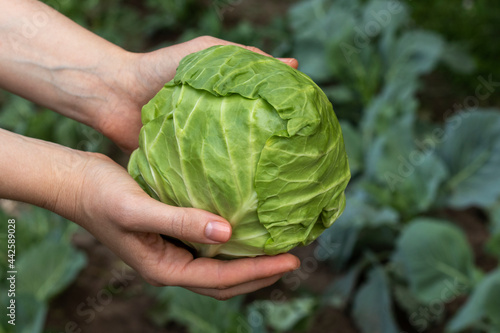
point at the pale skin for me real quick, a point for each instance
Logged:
(50, 60)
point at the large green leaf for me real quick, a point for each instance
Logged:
(458, 59)
(470, 149)
(494, 216)
(415, 53)
(46, 263)
(337, 243)
(394, 107)
(201, 314)
(482, 308)
(47, 268)
(31, 314)
(372, 309)
(436, 260)
(493, 244)
(339, 291)
(402, 175)
(320, 27)
(283, 316)
(353, 147)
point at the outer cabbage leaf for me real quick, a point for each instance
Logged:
(249, 138)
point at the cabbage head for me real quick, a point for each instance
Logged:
(251, 139)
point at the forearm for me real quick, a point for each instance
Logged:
(50, 60)
(39, 173)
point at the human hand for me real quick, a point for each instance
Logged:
(123, 217)
(141, 79)
(98, 194)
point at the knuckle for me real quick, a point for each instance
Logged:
(180, 223)
(123, 214)
(221, 285)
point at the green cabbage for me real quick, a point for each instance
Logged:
(251, 139)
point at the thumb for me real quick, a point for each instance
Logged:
(188, 224)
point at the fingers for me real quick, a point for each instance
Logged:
(194, 225)
(244, 288)
(218, 274)
(129, 222)
(217, 278)
(292, 62)
(256, 50)
(207, 41)
(162, 263)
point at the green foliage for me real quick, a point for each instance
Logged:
(31, 313)
(401, 175)
(360, 216)
(281, 316)
(339, 292)
(432, 255)
(393, 253)
(405, 168)
(375, 290)
(360, 51)
(128, 24)
(482, 309)
(470, 148)
(58, 267)
(482, 14)
(493, 245)
(46, 264)
(201, 314)
(206, 315)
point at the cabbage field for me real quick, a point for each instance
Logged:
(415, 86)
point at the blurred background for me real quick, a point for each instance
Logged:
(415, 85)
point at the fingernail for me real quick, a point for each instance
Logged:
(298, 263)
(290, 61)
(218, 231)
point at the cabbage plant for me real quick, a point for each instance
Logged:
(249, 138)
